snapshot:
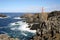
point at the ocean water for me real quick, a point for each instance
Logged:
(15, 27)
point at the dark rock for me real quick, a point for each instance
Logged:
(48, 30)
(35, 27)
(2, 15)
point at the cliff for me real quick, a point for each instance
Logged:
(48, 30)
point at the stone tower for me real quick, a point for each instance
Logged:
(44, 15)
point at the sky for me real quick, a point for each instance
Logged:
(29, 5)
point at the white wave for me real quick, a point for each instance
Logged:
(23, 26)
(17, 18)
(24, 34)
(13, 28)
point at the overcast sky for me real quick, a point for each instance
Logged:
(29, 5)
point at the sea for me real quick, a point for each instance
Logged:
(16, 27)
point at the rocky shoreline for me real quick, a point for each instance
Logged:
(50, 29)
(46, 30)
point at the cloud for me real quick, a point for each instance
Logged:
(31, 9)
(24, 9)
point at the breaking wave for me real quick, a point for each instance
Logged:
(18, 18)
(21, 30)
(22, 26)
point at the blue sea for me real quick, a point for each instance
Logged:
(15, 27)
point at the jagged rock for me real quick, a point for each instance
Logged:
(35, 27)
(54, 13)
(50, 29)
(2, 15)
(30, 18)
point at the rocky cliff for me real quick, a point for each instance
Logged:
(45, 30)
(48, 30)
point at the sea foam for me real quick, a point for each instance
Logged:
(4, 17)
(16, 18)
(22, 26)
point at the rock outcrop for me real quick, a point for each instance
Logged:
(30, 18)
(48, 30)
(2, 15)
